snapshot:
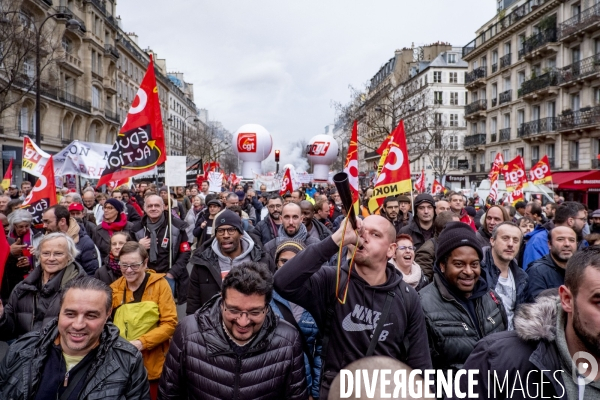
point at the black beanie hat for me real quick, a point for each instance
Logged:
(424, 198)
(454, 235)
(117, 204)
(228, 217)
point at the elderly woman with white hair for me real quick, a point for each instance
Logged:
(20, 222)
(36, 300)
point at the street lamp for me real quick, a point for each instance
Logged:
(277, 152)
(72, 25)
(196, 120)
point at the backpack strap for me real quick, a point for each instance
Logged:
(382, 319)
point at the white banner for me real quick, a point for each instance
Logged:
(215, 181)
(175, 171)
(272, 182)
(85, 159)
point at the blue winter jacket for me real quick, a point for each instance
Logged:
(536, 247)
(309, 329)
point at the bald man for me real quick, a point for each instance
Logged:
(381, 313)
(292, 227)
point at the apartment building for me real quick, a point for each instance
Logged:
(183, 114)
(436, 96)
(534, 90)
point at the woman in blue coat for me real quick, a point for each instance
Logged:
(301, 319)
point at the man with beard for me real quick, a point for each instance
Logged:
(441, 206)
(502, 271)
(595, 228)
(315, 229)
(570, 214)
(406, 213)
(13, 192)
(390, 210)
(268, 228)
(25, 189)
(290, 228)
(549, 271)
(551, 336)
(59, 219)
(421, 228)
(211, 262)
(167, 244)
(550, 210)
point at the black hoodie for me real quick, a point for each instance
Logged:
(305, 281)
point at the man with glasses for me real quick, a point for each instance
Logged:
(162, 240)
(268, 227)
(235, 347)
(570, 214)
(229, 247)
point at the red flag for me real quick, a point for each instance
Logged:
(384, 144)
(496, 167)
(437, 187)
(286, 183)
(540, 173)
(514, 174)
(8, 176)
(420, 183)
(395, 174)
(351, 164)
(43, 194)
(140, 145)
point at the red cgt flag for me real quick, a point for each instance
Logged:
(140, 145)
(496, 167)
(437, 187)
(8, 176)
(286, 183)
(384, 144)
(540, 173)
(43, 194)
(351, 165)
(514, 174)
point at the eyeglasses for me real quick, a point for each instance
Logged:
(235, 313)
(275, 206)
(49, 254)
(221, 231)
(404, 248)
(134, 267)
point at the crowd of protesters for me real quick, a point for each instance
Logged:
(281, 293)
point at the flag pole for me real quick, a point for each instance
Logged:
(170, 226)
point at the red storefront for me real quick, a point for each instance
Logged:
(582, 186)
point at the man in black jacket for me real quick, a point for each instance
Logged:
(550, 338)
(268, 228)
(79, 355)
(503, 274)
(315, 229)
(390, 210)
(290, 228)
(373, 283)
(211, 262)
(163, 240)
(420, 228)
(235, 347)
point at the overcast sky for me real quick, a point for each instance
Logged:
(280, 63)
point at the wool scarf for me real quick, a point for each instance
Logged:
(115, 226)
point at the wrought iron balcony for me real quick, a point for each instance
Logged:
(581, 69)
(477, 73)
(504, 135)
(584, 117)
(66, 13)
(505, 96)
(100, 4)
(550, 78)
(538, 40)
(494, 67)
(111, 50)
(475, 140)
(583, 20)
(477, 105)
(74, 101)
(543, 125)
(505, 60)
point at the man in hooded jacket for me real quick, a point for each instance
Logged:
(360, 326)
(211, 262)
(290, 228)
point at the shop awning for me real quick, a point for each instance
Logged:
(576, 180)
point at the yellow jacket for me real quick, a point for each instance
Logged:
(155, 343)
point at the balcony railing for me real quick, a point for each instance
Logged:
(74, 101)
(504, 134)
(477, 73)
(574, 164)
(100, 4)
(505, 96)
(477, 105)
(535, 127)
(493, 137)
(112, 116)
(112, 50)
(494, 101)
(579, 21)
(505, 60)
(24, 132)
(580, 69)
(550, 78)
(502, 25)
(538, 40)
(494, 67)
(580, 118)
(69, 14)
(475, 140)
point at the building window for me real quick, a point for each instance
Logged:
(437, 119)
(550, 152)
(437, 76)
(535, 154)
(520, 152)
(95, 97)
(453, 119)
(437, 162)
(437, 98)
(574, 151)
(494, 125)
(506, 155)
(454, 162)
(453, 77)
(451, 58)
(454, 98)
(575, 102)
(453, 142)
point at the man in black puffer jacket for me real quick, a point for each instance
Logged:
(40, 364)
(235, 347)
